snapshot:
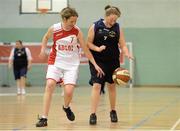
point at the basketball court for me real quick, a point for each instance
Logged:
(143, 108)
(153, 38)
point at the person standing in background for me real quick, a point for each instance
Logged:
(20, 58)
(104, 39)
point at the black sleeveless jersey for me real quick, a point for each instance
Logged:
(20, 58)
(108, 37)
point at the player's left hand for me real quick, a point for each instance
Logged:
(29, 67)
(129, 56)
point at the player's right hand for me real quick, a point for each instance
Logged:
(42, 55)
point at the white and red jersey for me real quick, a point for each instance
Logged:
(65, 50)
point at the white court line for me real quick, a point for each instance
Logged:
(14, 94)
(28, 94)
(174, 126)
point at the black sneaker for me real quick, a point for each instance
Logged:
(93, 119)
(69, 113)
(113, 116)
(42, 122)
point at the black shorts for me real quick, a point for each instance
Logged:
(21, 72)
(108, 69)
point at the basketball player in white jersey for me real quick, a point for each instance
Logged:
(63, 61)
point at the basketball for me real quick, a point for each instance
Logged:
(121, 76)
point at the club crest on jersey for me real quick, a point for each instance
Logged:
(112, 34)
(100, 31)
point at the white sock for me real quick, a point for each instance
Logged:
(44, 116)
(65, 107)
(23, 91)
(18, 90)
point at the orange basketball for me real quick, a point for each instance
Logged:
(121, 76)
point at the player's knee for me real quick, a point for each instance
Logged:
(68, 93)
(96, 86)
(49, 89)
(50, 86)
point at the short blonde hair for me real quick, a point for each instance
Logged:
(112, 10)
(67, 12)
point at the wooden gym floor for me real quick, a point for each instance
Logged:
(141, 108)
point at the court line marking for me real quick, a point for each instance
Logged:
(29, 126)
(28, 94)
(137, 125)
(175, 125)
(140, 123)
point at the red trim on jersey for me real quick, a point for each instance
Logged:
(52, 55)
(57, 30)
(59, 34)
(62, 33)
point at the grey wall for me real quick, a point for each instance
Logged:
(10, 17)
(153, 26)
(135, 13)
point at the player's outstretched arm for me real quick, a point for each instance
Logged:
(123, 46)
(45, 39)
(89, 55)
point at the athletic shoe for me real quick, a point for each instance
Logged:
(93, 119)
(113, 116)
(18, 91)
(69, 113)
(42, 122)
(23, 91)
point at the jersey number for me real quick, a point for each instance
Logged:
(105, 37)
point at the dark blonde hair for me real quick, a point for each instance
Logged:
(112, 10)
(68, 12)
(20, 41)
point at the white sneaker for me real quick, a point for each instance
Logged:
(23, 91)
(18, 91)
(62, 93)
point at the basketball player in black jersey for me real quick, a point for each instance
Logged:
(104, 39)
